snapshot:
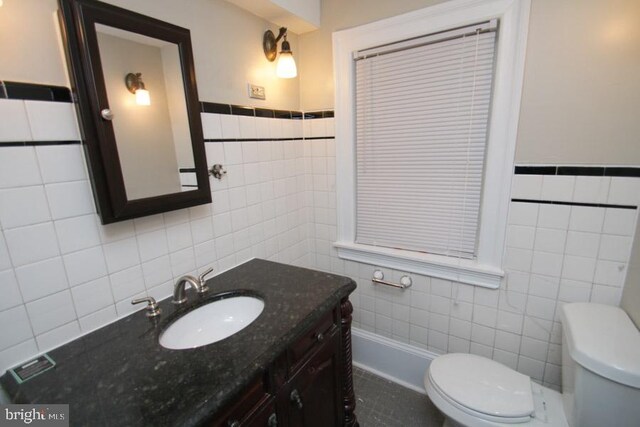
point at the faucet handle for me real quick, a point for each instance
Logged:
(152, 309)
(203, 287)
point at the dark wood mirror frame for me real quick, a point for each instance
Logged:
(78, 19)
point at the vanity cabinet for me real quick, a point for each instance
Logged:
(310, 384)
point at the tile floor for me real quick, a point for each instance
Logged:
(382, 403)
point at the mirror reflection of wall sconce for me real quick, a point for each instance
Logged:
(286, 67)
(136, 86)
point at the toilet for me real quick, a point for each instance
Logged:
(600, 379)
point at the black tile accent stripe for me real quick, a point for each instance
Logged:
(213, 107)
(318, 114)
(593, 205)
(265, 139)
(238, 110)
(581, 170)
(281, 114)
(182, 170)
(35, 92)
(620, 171)
(37, 143)
(263, 112)
(40, 92)
(536, 170)
(252, 139)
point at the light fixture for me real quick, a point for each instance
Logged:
(136, 86)
(286, 67)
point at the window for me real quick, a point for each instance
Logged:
(425, 128)
(422, 113)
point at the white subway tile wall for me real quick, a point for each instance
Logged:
(63, 274)
(555, 254)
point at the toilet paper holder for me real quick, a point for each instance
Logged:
(378, 278)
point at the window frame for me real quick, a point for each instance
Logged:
(513, 15)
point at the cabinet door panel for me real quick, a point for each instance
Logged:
(241, 412)
(313, 393)
(312, 339)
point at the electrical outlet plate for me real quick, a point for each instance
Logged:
(256, 92)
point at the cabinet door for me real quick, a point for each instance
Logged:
(250, 409)
(313, 393)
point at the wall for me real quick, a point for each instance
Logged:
(144, 134)
(315, 64)
(579, 99)
(63, 274)
(556, 253)
(226, 59)
(631, 294)
(516, 325)
(574, 251)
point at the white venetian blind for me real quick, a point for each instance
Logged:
(422, 111)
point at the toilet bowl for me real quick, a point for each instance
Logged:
(601, 379)
(474, 391)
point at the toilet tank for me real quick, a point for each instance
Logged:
(600, 366)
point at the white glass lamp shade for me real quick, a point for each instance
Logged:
(142, 97)
(286, 67)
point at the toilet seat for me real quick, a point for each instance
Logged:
(482, 388)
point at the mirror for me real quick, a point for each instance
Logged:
(137, 101)
(152, 134)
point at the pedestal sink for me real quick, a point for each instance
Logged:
(212, 322)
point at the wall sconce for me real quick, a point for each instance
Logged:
(136, 86)
(286, 67)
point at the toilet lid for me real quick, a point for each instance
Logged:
(483, 385)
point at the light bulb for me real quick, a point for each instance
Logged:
(142, 97)
(286, 68)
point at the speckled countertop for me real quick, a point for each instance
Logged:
(120, 376)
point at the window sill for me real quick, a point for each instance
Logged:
(443, 267)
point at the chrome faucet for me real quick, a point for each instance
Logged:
(179, 296)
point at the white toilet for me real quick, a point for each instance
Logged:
(600, 377)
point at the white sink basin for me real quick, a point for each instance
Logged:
(212, 322)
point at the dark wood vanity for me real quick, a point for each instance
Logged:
(289, 367)
(310, 384)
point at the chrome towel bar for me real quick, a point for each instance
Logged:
(378, 278)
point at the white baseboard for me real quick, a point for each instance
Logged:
(401, 363)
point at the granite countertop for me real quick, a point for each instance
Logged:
(119, 375)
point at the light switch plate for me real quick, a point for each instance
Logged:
(256, 92)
